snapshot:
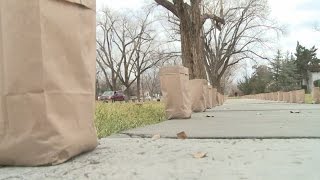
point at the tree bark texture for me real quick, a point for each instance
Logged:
(191, 22)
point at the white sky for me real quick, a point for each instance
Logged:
(298, 17)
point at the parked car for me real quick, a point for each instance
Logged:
(118, 96)
(106, 96)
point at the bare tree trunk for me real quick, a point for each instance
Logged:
(191, 24)
(114, 81)
(97, 89)
(191, 39)
(104, 73)
(127, 93)
(215, 81)
(138, 87)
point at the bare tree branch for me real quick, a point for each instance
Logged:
(245, 25)
(168, 5)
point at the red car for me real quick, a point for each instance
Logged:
(118, 96)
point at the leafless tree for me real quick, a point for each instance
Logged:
(118, 46)
(146, 60)
(149, 51)
(152, 81)
(106, 59)
(242, 37)
(191, 20)
(97, 85)
(127, 47)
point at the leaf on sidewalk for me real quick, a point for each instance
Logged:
(182, 135)
(199, 155)
(155, 137)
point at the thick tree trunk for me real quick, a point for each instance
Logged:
(127, 93)
(216, 83)
(105, 74)
(114, 81)
(138, 88)
(97, 89)
(191, 30)
(191, 39)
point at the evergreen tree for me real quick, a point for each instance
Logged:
(306, 60)
(261, 79)
(289, 78)
(245, 85)
(276, 70)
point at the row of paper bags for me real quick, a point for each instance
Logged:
(296, 96)
(183, 96)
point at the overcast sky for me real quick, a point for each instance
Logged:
(298, 16)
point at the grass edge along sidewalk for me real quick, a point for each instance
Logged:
(111, 118)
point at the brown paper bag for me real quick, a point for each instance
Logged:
(316, 95)
(214, 97)
(209, 97)
(218, 99)
(206, 94)
(276, 96)
(286, 97)
(174, 82)
(198, 94)
(300, 96)
(47, 80)
(280, 96)
(221, 100)
(268, 96)
(293, 98)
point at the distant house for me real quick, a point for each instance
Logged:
(314, 75)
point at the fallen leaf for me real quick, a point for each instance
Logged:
(155, 137)
(94, 162)
(182, 135)
(199, 155)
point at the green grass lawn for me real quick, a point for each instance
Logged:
(308, 99)
(112, 118)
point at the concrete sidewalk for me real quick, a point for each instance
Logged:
(171, 159)
(121, 157)
(240, 118)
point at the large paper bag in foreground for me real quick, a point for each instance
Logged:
(174, 82)
(198, 88)
(47, 80)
